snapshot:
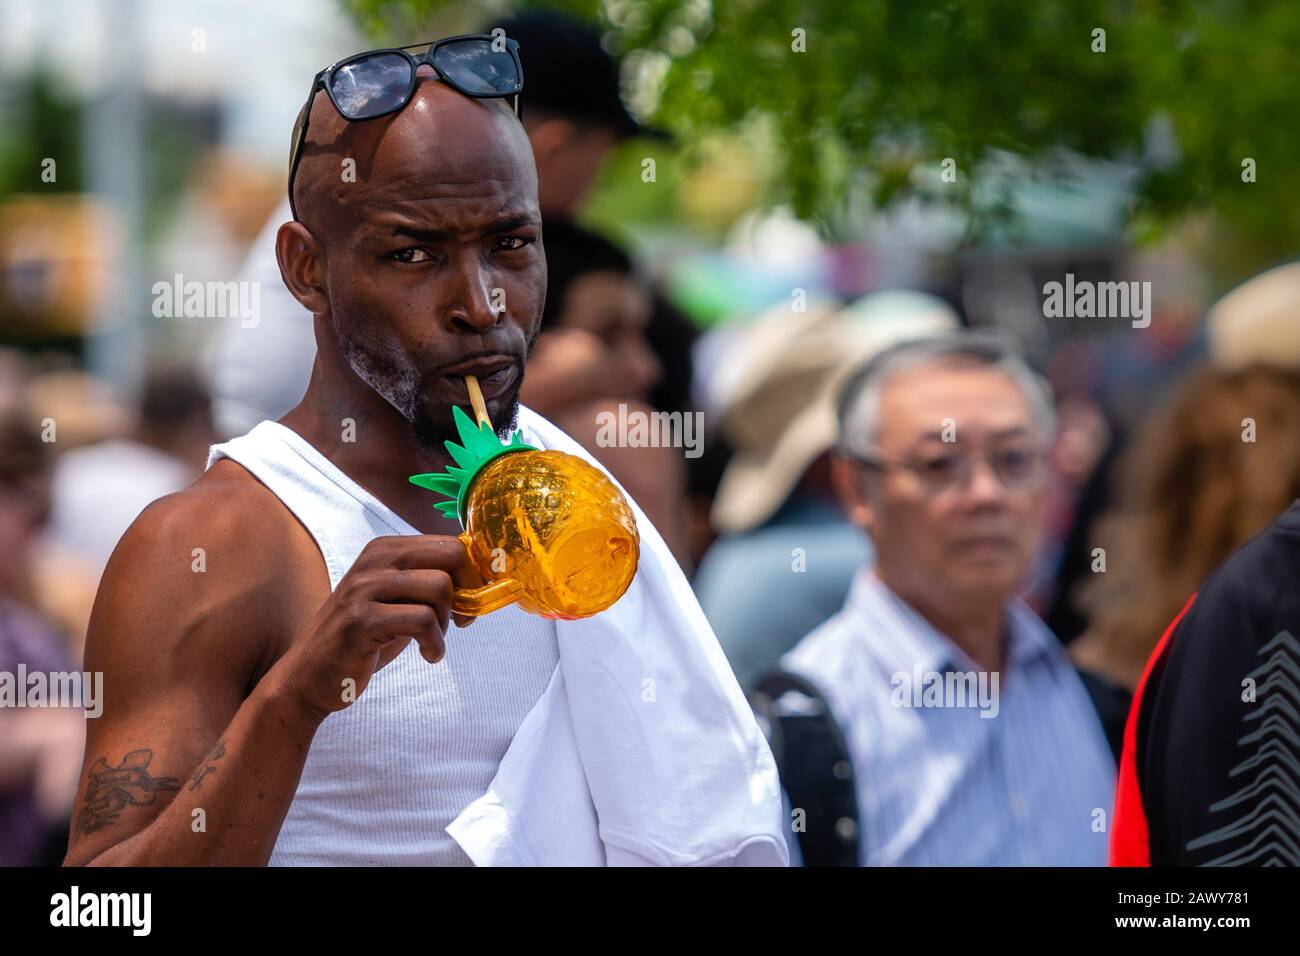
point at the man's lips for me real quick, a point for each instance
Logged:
(984, 543)
(481, 365)
(495, 374)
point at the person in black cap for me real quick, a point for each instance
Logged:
(573, 111)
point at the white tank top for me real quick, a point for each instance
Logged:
(385, 776)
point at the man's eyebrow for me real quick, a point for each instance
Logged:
(1011, 431)
(424, 235)
(503, 224)
(511, 222)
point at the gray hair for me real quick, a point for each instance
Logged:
(858, 408)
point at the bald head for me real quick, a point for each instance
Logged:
(418, 248)
(438, 136)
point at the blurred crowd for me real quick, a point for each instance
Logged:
(835, 535)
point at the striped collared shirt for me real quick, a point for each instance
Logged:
(954, 767)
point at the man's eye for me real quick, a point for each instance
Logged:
(1015, 462)
(511, 243)
(939, 467)
(412, 255)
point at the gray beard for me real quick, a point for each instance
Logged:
(430, 434)
(400, 387)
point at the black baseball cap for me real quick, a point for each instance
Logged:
(568, 73)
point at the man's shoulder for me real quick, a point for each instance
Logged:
(217, 569)
(822, 653)
(226, 500)
(225, 522)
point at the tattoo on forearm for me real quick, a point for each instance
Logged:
(206, 768)
(113, 789)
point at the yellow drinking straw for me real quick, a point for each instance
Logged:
(476, 399)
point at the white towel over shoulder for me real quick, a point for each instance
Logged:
(645, 719)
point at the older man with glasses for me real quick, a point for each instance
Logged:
(957, 732)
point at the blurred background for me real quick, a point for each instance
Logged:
(746, 198)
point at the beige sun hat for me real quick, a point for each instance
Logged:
(779, 414)
(1258, 321)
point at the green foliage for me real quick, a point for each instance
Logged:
(45, 123)
(888, 88)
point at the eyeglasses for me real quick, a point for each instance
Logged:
(376, 83)
(1015, 468)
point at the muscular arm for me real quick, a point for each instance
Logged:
(190, 762)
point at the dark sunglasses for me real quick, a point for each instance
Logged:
(376, 83)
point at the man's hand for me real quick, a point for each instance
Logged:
(399, 590)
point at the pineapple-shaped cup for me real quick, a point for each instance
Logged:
(543, 528)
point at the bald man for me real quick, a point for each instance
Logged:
(284, 678)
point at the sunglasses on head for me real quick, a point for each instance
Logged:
(379, 82)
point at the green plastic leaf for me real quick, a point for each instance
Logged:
(478, 446)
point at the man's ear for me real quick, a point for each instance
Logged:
(848, 479)
(302, 266)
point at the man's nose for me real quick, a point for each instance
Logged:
(983, 482)
(476, 304)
